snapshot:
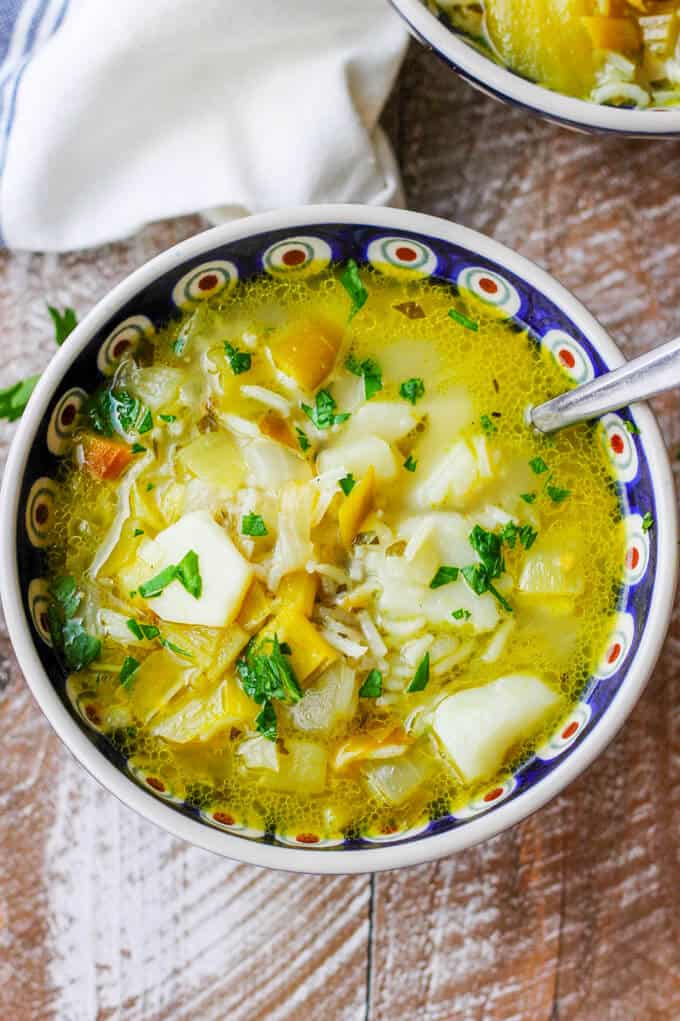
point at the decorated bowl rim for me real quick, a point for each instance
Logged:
(506, 84)
(346, 860)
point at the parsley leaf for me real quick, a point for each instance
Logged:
(134, 627)
(266, 674)
(13, 399)
(266, 722)
(458, 317)
(479, 576)
(444, 576)
(240, 361)
(647, 522)
(167, 644)
(528, 497)
(354, 285)
(65, 592)
(461, 614)
(509, 534)
(412, 390)
(149, 631)
(421, 676)
(556, 494)
(527, 536)
(137, 448)
(168, 418)
(347, 484)
(323, 413)
(538, 465)
(372, 686)
(371, 372)
(64, 323)
(138, 531)
(302, 438)
(410, 464)
(127, 672)
(487, 425)
(189, 575)
(80, 648)
(252, 524)
(110, 411)
(152, 588)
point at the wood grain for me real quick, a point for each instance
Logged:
(572, 916)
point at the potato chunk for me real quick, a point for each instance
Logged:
(478, 726)
(225, 574)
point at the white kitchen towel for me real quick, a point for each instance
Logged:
(113, 115)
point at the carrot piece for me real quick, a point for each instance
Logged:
(277, 429)
(106, 459)
(356, 507)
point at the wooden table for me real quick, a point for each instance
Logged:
(575, 914)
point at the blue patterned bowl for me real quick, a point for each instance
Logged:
(304, 241)
(501, 83)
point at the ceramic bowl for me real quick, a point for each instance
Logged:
(304, 241)
(501, 83)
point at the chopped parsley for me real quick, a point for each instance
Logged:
(266, 722)
(150, 486)
(141, 631)
(253, 524)
(347, 484)
(647, 522)
(354, 285)
(458, 317)
(138, 448)
(461, 614)
(265, 675)
(421, 676)
(302, 438)
(525, 533)
(127, 672)
(557, 494)
(13, 399)
(64, 323)
(631, 427)
(371, 373)
(412, 389)
(110, 411)
(189, 575)
(527, 536)
(138, 531)
(538, 465)
(186, 572)
(323, 415)
(410, 464)
(67, 632)
(444, 576)
(372, 686)
(528, 497)
(240, 361)
(488, 547)
(487, 425)
(167, 644)
(168, 418)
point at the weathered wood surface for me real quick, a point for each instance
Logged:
(574, 915)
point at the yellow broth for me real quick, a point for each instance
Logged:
(378, 763)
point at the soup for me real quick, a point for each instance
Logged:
(312, 571)
(617, 52)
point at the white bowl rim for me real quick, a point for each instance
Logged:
(318, 860)
(506, 83)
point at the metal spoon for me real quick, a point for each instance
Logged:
(650, 374)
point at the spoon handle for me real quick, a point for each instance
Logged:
(638, 379)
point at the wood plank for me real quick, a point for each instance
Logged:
(574, 914)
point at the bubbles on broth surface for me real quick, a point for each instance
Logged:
(502, 371)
